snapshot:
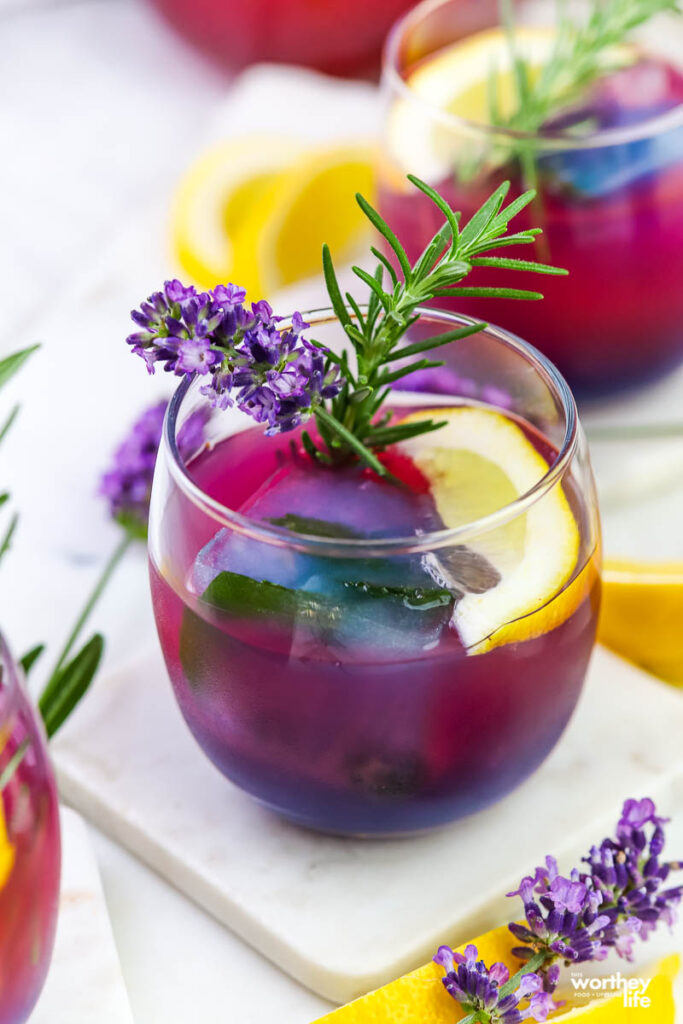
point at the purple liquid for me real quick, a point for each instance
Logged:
(30, 895)
(380, 722)
(612, 216)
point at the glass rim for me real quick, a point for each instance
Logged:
(11, 683)
(560, 140)
(344, 547)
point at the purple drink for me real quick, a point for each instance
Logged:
(29, 851)
(609, 173)
(311, 619)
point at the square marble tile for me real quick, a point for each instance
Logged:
(84, 984)
(344, 916)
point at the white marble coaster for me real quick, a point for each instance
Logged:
(85, 984)
(344, 916)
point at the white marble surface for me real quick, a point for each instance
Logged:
(181, 964)
(128, 762)
(85, 984)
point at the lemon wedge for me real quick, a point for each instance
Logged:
(642, 615)
(420, 998)
(256, 211)
(214, 200)
(6, 849)
(476, 464)
(314, 203)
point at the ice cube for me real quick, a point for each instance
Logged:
(368, 604)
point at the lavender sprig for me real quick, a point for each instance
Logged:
(127, 486)
(10, 365)
(282, 379)
(574, 919)
(621, 897)
(273, 374)
(482, 991)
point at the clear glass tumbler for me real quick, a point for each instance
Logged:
(355, 672)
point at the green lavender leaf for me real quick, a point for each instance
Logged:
(7, 426)
(31, 657)
(12, 364)
(6, 541)
(67, 688)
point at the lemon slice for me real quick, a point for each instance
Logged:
(314, 203)
(476, 464)
(213, 200)
(6, 849)
(420, 997)
(642, 612)
(256, 211)
(456, 81)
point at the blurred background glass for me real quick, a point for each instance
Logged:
(29, 848)
(608, 169)
(334, 36)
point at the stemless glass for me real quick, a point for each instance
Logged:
(365, 716)
(610, 201)
(29, 849)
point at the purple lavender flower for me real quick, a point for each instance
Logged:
(195, 355)
(629, 875)
(128, 484)
(619, 899)
(478, 988)
(564, 920)
(272, 374)
(167, 319)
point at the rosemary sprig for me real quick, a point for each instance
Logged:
(353, 426)
(582, 53)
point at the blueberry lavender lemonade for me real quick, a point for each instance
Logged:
(29, 851)
(363, 607)
(591, 118)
